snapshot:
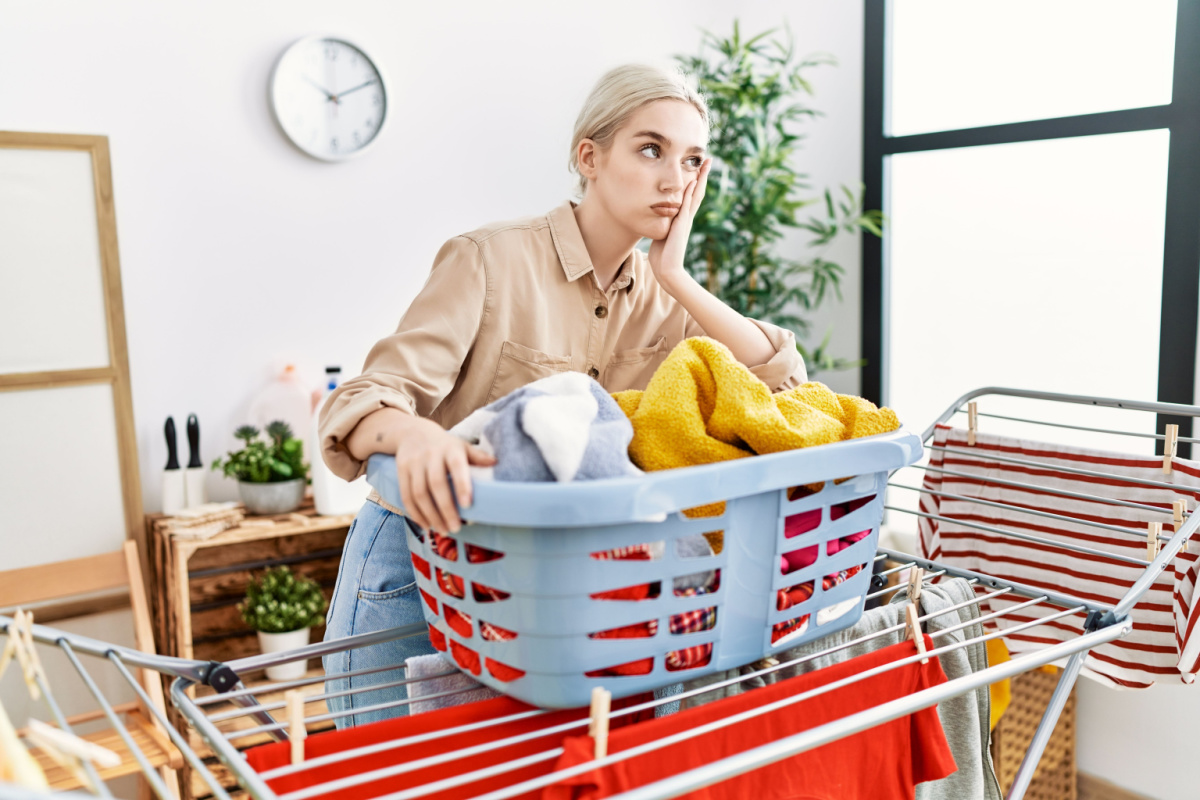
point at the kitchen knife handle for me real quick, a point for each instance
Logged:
(172, 453)
(193, 433)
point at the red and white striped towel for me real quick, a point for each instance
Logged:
(1163, 645)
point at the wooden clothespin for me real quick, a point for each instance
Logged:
(916, 578)
(17, 765)
(20, 646)
(912, 609)
(972, 422)
(598, 725)
(1170, 446)
(50, 738)
(296, 730)
(1178, 512)
(914, 629)
(69, 751)
(1152, 540)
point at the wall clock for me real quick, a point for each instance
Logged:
(329, 97)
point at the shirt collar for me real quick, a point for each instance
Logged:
(573, 254)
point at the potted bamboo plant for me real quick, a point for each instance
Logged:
(271, 473)
(283, 607)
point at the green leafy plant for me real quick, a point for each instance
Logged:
(755, 89)
(279, 457)
(280, 602)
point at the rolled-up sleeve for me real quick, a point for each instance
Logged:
(784, 370)
(413, 369)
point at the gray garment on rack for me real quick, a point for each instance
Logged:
(965, 719)
(466, 689)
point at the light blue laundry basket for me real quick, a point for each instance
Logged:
(547, 534)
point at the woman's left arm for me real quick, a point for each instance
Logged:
(748, 343)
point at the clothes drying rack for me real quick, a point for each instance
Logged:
(210, 716)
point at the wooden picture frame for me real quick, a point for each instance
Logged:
(24, 159)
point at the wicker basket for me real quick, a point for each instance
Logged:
(1055, 778)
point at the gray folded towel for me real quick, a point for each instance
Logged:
(465, 689)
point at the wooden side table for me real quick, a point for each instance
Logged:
(196, 585)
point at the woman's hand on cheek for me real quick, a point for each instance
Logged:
(666, 254)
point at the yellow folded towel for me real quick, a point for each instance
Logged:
(702, 405)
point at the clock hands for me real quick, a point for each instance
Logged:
(356, 88)
(336, 99)
(328, 95)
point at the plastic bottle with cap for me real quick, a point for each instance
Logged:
(285, 398)
(331, 494)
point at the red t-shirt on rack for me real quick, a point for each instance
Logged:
(880, 763)
(271, 756)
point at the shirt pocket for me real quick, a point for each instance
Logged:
(632, 369)
(520, 365)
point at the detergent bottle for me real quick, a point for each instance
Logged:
(331, 494)
(285, 398)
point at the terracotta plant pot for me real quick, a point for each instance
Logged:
(272, 498)
(279, 642)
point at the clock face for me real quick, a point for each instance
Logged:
(329, 97)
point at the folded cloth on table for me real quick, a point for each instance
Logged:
(561, 428)
(429, 672)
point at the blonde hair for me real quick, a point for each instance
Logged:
(620, 93)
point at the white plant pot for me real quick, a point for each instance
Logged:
(278, 642)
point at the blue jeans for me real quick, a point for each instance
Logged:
(376, 589)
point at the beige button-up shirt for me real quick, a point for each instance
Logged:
(513, 302)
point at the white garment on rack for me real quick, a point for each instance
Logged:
(1162, 645)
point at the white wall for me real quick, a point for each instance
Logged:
(239, 254)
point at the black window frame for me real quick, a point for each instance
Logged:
(1181, 243)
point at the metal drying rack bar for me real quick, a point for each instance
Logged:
(212, 716)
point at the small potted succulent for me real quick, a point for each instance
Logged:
(271, 472)
(282, 607)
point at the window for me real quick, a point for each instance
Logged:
(1042, 183)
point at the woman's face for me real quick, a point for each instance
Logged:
(641, 179)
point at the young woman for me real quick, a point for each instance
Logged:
(516, 301)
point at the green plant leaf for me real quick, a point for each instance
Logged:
(757, 90)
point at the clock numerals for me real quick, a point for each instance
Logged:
(329, 98)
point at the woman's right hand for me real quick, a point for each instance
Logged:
(428, 459)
